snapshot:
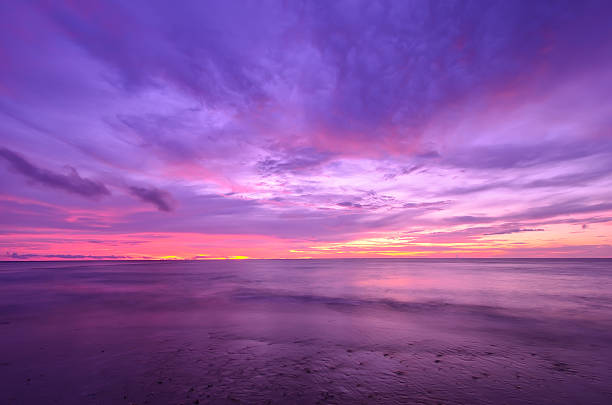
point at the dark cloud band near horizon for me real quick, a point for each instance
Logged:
(306, 129)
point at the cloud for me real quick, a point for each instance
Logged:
(544, 212)
(576, 177)
(515, 230)
(26, 256)
(471, 233)
(71, 182)
(161, 199)
(294, 161)
(314, 71)
(561, 208)
(504, 156)
(349, 204)
(402, 171)
(302, 109)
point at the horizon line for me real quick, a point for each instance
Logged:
(304, 258)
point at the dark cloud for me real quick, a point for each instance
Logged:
(471, 219)
(429, 155)
(293, 161)
(71, 182)
(349, 204)
(432, 205)
(402, 171)
(515, 230)
(490, 185)
(161, 199)
(26, 256)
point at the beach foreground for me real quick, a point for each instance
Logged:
(306, 331)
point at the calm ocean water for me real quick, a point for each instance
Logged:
(307, 331)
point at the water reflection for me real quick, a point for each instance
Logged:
(274, 329)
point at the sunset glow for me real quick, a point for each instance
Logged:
(305, 130)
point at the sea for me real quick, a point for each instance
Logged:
(338, 331)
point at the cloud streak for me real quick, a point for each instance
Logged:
(29, 256)
(71, 182)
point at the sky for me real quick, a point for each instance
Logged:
(305, 129)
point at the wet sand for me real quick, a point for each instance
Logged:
(307, 332)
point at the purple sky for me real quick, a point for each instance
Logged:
(305, 129)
